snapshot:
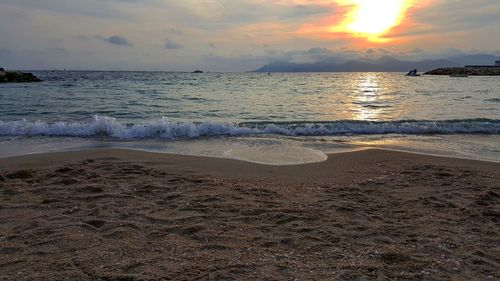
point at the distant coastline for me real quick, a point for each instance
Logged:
(382, 64)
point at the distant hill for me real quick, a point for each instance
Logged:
(383, 64)
(478, 59)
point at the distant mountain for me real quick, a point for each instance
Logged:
(383, 64)
(284, 66)
(479, 59)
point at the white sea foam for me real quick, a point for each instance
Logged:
(169, 130)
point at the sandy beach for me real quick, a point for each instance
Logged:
(366, 215)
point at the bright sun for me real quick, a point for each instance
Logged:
(371, 19)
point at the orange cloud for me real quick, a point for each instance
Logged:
(364, 22)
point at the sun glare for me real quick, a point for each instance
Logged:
(372, 19)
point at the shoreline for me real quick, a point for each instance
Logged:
(115, 214)
(229, 166)
(327, 152)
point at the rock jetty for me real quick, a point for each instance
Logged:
(471, 71)
(17, 77)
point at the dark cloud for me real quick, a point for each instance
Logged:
(172, 45)
(116, 40)
(89, 8)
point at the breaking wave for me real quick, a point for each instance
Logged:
(170, 130)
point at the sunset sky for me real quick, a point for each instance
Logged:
(237, 35)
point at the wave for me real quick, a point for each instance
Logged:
(164, 128)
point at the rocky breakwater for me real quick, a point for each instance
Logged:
(471, 71)
(17, 77)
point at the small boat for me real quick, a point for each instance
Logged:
(413, 73)
(198, 71)
(459, 75)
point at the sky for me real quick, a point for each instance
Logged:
(237, 35)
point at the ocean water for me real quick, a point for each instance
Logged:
(282, 118)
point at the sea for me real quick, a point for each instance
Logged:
(274, 119)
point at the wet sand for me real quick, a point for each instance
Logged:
(367, 215)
